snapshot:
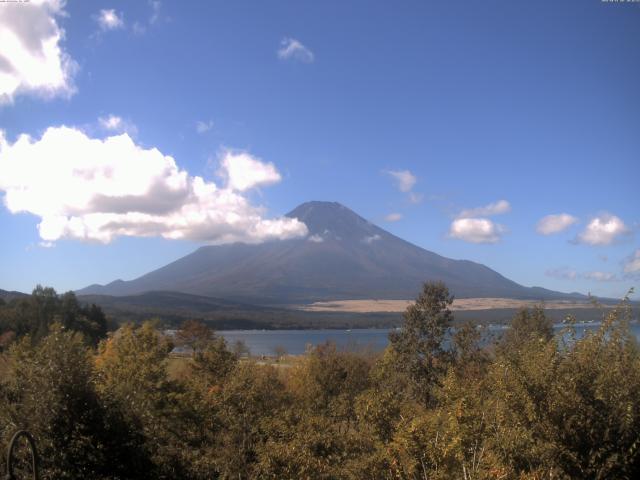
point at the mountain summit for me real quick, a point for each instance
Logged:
(332, 219)
(343, 257)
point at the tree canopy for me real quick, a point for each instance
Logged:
(438, 402)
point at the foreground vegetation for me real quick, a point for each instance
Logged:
(532, 406)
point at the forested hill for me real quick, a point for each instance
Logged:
(10, 295)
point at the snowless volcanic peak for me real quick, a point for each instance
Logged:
(343, 257)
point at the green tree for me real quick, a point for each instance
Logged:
(35, 314)
(419, 344)
(50, 393)
(214, 362)
(88, 320)
(528, 324)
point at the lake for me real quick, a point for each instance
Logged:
(295, 342)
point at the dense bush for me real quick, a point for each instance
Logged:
(430, 406)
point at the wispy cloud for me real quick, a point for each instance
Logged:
(155, 11)
(563, 273)
(371, 238)
(557, 223)
(315, 238)
(141, 27)
(203, 127)
(108, 19)
(393, 217)
(292, 49)
(566, 273)
(600, 276)
(631, 264)
(404, 180)
(415, 197)
(496, 208)
(602, 230)
(114, 123)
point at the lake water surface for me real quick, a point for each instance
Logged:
(295, 342)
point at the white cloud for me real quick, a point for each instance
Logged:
(32, 60)
(470, 227)
(112, 122)
(372, 238)
(476, 230)
(116, 124)
(555, 223)
(632, 263)
(415, 197)
(290, 48)
(98, 189)
(393, 217)
(602, 230)
(155, 11)
(496, 208)
(600, 276)
(108, 19)
(243, 171)
(315, 238)
(403, 179)
(140, 27)
(203, 127)
(563, 273)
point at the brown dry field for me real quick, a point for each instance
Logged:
(374, 306)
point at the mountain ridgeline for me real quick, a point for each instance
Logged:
(343, 257)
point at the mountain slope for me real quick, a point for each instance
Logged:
(8, 296)
(344, 257)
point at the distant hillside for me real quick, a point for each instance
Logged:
(344, 257)
(10, 295)
(174, 308)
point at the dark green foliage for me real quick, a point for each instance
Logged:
(33, 315)
(49, 391)
(214, 362)
(419, 345)
(528, 324)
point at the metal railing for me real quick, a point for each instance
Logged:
(11, 452)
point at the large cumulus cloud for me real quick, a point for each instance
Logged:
(32, 58)
(98, 189)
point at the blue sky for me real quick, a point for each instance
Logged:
(458, 126)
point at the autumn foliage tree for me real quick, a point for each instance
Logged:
(437, 403)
